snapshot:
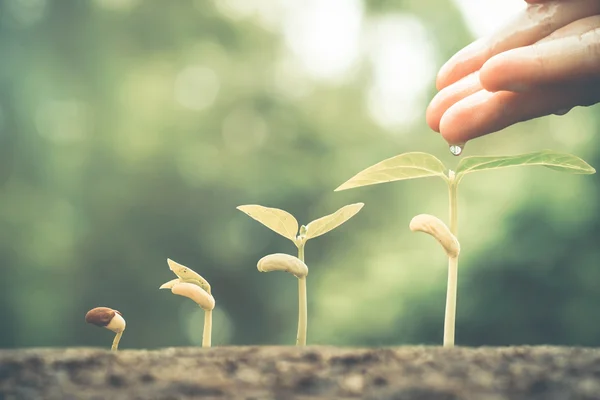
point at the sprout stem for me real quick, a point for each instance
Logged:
(207, 334)
(117, 339)
(452, 193)
(302, 304)
(450, 317)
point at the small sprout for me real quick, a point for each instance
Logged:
(296, 267)
(286, 225)
(193, 286)
(108, 318)
(435, 227)
(283, 262)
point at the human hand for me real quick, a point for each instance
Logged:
(545, 61)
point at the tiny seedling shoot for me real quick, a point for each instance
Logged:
(439, 230)
(286, 225)
(421, 165)
(107, 318)
(193, 286)
(296, 267)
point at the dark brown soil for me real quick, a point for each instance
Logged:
(405, 373)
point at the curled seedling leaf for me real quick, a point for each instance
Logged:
(193, 286)
(108, 318)
(296, 267)
(283, 262)
(170, 284)
(435, 227)
(195, 293)
(186, 274)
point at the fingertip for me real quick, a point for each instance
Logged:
(433, 114)
(450, 126)
(466, 119)
(449, 96)
(432, 122)
(442, 77)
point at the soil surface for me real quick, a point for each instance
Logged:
(265, 373)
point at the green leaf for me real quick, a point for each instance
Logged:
(332, 221)
(401, 167)
(547, 158)
(275, 219)
(186, 274)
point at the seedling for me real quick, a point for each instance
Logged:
(286, 225)
(193, 286)
(421, 165)
(110, 319)
(440, 231)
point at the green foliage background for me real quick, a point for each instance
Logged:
(103, 175)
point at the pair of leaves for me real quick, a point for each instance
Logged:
(286, 225)
(185, 274)
(421, 165)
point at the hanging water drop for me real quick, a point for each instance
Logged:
(456, 149)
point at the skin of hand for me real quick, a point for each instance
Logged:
(545, 61)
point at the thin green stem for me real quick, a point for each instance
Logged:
(207, 334)
(450, 316)
(117, 339)
(452, 194)
(302, 305)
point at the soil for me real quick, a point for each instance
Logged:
(265, 373)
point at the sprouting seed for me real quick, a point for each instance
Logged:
(110, 319)
(193, 286)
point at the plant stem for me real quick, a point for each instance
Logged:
(450, 316)
(115, 344)
(302, 305)
(207, 334)
(452, 193)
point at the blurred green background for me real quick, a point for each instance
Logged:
(130, 130)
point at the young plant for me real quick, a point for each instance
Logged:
(193, 286)
(110, 319)
(435, 227)
(286, 225)
(421, 165)
(296, 267)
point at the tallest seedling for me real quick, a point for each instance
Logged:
(422, 165)
(286, 225)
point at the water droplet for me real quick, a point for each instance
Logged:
(456, 149)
